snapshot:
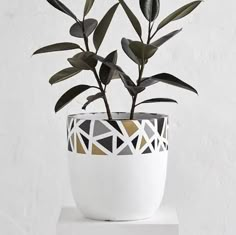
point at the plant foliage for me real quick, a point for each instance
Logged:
(103, 26)
(150, 9)
(139, 51)
(78, 31)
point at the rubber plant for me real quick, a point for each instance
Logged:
(139, 51)
(118, 163)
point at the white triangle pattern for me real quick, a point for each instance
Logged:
(142, 147)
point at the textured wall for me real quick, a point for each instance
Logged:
(33, 168)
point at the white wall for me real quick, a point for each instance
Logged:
(33, 169)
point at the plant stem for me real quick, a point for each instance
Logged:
(141, 69)
(86, 42)
(104, 94)
(149, 32)
(134, 98)
(85, 37)
(151, 37)
(97, 77)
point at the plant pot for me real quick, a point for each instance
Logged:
(118, 168)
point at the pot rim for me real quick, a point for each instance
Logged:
(102, 116)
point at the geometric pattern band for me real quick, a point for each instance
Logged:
(117, 137)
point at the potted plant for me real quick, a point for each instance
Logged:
(117, 161)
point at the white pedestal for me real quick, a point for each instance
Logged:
(164, 222)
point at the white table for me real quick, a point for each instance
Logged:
(164, 222)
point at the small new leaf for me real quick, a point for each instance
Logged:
(106, 73)
(91, 99)
(165, 38)
(103, 26)
(64, 46)
(83, 61)
(116, 75)
(63, 75)
(133, 19)
(88, 6)
(130, 85)
(70, 95)
(157, 100)
(61, 7)
(168, 79)
(150, 9)
(142, 51)
(76, 29)
(110, 65)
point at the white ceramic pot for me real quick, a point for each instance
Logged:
(118, 168)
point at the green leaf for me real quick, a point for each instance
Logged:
(91, 99)
(116, 75)
(70, 95)
(63, 75)
(111, 65)
(130, 85)
(150, 9)
(106, 73)
(64, 46)
(142, 51)
(158, 100)
(166, 78)
(61, 7)
(133, 19)
(103, 26)
(127, 81)
(90, 25)
(88, 6)
(83, 61)
(165, 38)
(178, 14)
(125, 46)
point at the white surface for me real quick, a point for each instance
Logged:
(164, 222)
(201, 173)
(118, 188)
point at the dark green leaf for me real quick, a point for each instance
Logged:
(63, 75)
(142, 51)
(61, 7)
(166, 78)
(116, 75)
(88, 6)
(118, 72)
(83, 61)
(89, 26)
(92, 98)
(150, 9)
(133, 19)
(158, 100)
(178, 14)
(130, 85)
(70, 95)
(103, 26)
(127, 80)
(125, 45)
(64, 46)
(106, 73)
(109, 64)
(76, 30)
(165, 38)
